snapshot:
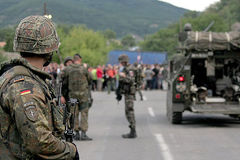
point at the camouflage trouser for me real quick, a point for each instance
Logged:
(140, 93)
(84, 120)
(111, 84)
(129, 110)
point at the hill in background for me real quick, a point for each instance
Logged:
(122, 16)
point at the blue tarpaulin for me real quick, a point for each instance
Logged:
(140, 57)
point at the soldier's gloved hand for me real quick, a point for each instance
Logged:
(119, 97)
(122, 74)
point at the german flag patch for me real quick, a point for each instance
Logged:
(24, 92)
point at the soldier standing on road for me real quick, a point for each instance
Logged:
(127, 87)
(31, 125)
(79, 80)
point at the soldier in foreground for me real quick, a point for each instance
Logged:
(127, 87)
(78, 79)
(31, 123)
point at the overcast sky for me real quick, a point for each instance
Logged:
(197, 5)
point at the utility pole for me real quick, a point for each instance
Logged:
(45, 8)
(50, 17)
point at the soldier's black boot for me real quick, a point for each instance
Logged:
(84, 137)
(77, 136)
(132, 134)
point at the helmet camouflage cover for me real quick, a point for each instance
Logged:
(37, 35)
(67, 59)
(187, 27)
(123, 58)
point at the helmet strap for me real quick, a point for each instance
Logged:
(48, 59)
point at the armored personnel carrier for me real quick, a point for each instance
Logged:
(205, 76)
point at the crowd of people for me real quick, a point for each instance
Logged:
(106, 77)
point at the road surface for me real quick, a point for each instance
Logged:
(200, 137)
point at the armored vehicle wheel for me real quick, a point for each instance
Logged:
(234, 116)
(176, 118)
(173, 117)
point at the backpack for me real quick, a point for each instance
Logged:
(77, 82)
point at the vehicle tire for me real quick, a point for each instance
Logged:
(176, 118)
(234, 116)
(173, 117)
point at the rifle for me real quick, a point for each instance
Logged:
(209, 26)
(69, 114)
(59, 94)
(69, 118)
(122, 87)
(118, 92)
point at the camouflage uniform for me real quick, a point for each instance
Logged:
(129, 95)
(30, 129)
(64, 80)
(78, 80)
(138, 80)
(31, 125)
(127, 87)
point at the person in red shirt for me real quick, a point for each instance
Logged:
(99, 78)
(110, 78)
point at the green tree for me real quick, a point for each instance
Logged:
(2, 57)
(109, 34)
(4, 32)
(91, 45)
(9, 42)
(128, 41)
(162, 41)
(167, 39)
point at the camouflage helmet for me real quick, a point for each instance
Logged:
(123, 58)
(67, 59)
(37, 35)
(187, 27)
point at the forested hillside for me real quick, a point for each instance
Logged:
(122, 16)
(223, 14)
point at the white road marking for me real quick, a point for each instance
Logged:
(151, 112)
(164, 147)
(144, 98)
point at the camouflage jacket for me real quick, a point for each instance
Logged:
(64, 80)
(138, 77)
(30, 122)
(77, 79)
(127, 84)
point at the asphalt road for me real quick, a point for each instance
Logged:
(200, 137)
